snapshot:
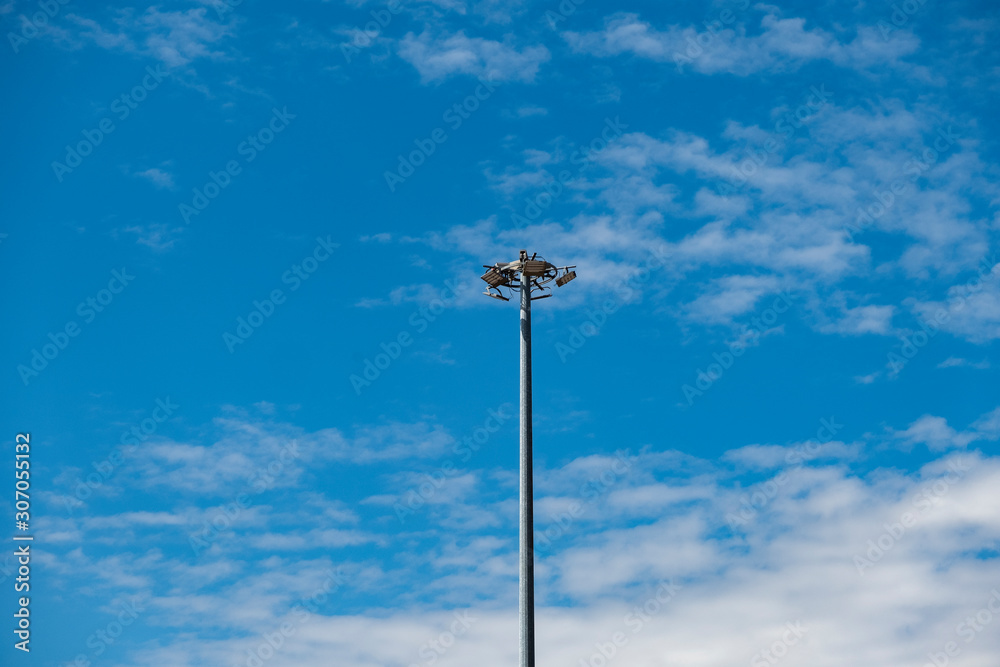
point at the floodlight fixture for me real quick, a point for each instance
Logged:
(494, 277)
(523, 275)
(532, 271)
(534, 267)
(565, 278)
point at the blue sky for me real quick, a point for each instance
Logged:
(273, 417)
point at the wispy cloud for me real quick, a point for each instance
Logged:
(439, 57)
(971, 309)
(862, 320)
(156, 236)
(158, 177)
(175, 38)
(783, 44)
(937, 435)
(818, 528)
(959, 362)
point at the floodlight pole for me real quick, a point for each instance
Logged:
(526, 589)
(523, 274)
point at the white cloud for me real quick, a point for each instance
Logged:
(862, 320)
(959, 362)
(437, 58)
(730, 297)
(861, 563)
(500, 11)
(175, 38)
(155, 235)
(529, 111)
(158, 177)
(513, 181)
(244, 448)
(769, 457)
(935, 433)
(972, 309)
(987, 427)
(783, 44)
(178, 38)
(786, 222)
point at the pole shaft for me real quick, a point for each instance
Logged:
(526, 589)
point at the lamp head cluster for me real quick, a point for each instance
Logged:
(532, 271)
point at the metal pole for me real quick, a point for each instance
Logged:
(526, 590)
(525, 273)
